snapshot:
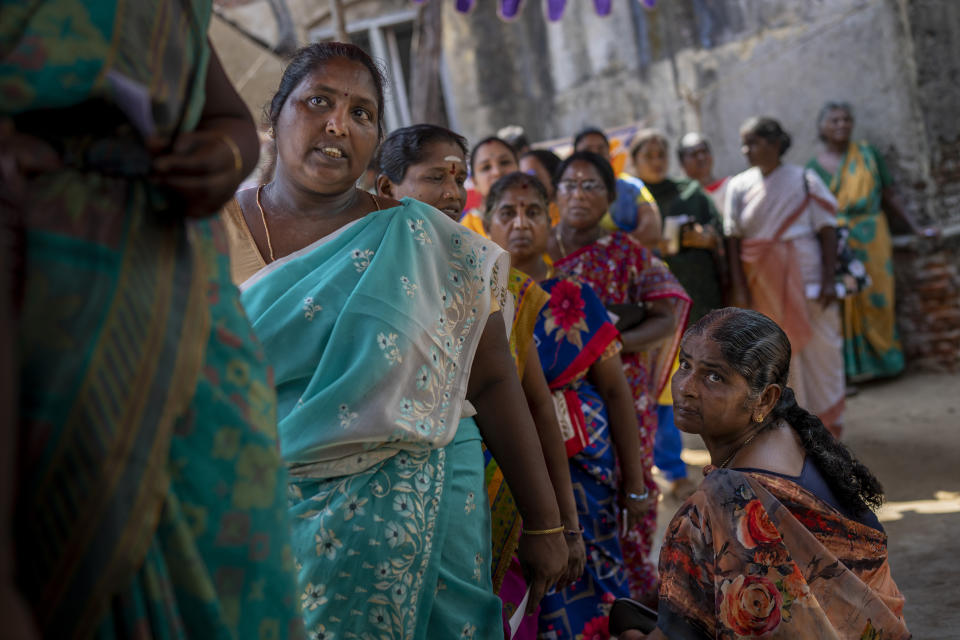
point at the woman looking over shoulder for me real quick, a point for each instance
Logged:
(428, 163)
(779, 541)
(381, 320)
(782, 247)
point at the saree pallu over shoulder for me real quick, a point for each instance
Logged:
(400, 295)
(776, 286)
(753, 555)
(528, 299)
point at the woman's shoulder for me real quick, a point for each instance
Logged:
(409, 208)
(743, 179)
(520, 281)
(790, 170)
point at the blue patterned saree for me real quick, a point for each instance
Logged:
(572, 333)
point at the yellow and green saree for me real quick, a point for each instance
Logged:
(871, 344)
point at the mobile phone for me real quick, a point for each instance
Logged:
(626, 614)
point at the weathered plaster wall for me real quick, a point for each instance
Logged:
(702, 65)
(254, 71)
(897, 61)
(935, 34)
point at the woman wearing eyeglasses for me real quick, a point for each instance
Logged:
(653, 310)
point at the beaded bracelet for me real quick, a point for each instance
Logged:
(542, 532)
(639, 497)
(573, 533)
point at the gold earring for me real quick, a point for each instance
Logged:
(759, 418)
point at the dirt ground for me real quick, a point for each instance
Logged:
(907, 431)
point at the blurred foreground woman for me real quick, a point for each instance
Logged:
(150, 495)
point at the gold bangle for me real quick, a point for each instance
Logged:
(235, 150)
(542, 532)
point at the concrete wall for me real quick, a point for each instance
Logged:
(935, 40)
(697, 65)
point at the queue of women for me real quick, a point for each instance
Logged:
(398, 427)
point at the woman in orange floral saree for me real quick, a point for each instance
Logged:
(779, 541)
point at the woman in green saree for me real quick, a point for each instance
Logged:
(382, 320)
(857, 175)
(149, 493)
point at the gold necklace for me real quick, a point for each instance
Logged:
(723, 465)
(266, 229)
(263, 218)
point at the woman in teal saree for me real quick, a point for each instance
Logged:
(149, 492)
(382, 319)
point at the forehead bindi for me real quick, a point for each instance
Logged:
(343, 77)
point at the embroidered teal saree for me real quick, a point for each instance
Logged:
(372, 332)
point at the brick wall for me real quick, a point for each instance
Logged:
(928, 300)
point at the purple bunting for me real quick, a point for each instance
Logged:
(603, 7)
(509, 9)
(555, 9)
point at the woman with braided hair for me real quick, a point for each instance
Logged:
(780, 539)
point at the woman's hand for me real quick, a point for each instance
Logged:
(649, 225)
(543, 560)
(698, 236)
(22, 156)
(636, 510)
(828, 290)
(511, 437)
(576, 561)
(203, 167)
(206, 166)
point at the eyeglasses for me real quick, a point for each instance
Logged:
(589, 187)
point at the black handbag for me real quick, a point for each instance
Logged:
(626, 614)
(628, 315)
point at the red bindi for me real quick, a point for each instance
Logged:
(453, 169)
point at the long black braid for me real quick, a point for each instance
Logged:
(758, 349)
